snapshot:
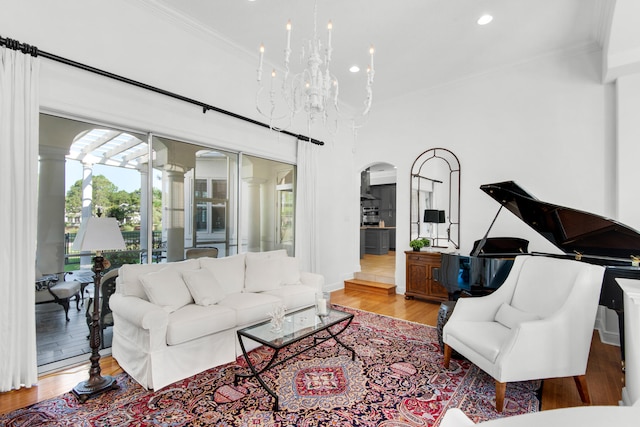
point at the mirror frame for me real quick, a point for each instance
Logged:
(453, 212)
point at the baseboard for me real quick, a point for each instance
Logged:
(607, 326)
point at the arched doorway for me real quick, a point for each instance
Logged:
(378, 223)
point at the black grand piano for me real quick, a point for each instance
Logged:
(579, 235)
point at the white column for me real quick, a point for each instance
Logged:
(173, 216)
(87, 199)
(254, 210)
(631, 390)
(628, 149)
(144, 209)
(51, 206)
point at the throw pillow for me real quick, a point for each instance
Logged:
(290, 271)
(511, 317)
(166, 289)
(278, 253)
(204, 286)
(228, 270)
(262, 274)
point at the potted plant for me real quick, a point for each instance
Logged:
(417, 244)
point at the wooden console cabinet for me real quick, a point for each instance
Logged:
(420, 276)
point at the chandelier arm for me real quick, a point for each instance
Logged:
(314, 89)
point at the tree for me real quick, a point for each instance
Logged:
(120, 204)
(102, 195)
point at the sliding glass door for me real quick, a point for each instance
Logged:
(198, 198)
(167, 195)
(267, 205)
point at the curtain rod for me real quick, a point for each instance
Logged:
(34, 51)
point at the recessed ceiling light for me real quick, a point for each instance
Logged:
(485, 19)
(354, 69)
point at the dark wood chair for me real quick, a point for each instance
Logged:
(192, 253)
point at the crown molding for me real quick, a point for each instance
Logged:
(194, 27)
(603, 19)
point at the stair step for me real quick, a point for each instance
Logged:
(369, 286)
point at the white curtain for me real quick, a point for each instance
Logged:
(18, 217)
(306, 207)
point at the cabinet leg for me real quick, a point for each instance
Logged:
(408, 297)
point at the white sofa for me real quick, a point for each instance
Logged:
(583, 416)
(174, 320)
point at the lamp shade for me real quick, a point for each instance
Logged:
(434, 216)
(98, 234)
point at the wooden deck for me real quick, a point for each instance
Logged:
(59, 342)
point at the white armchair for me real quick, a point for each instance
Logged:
(537, 325)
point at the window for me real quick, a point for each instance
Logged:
(267, 205)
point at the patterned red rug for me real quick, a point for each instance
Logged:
(396, 380)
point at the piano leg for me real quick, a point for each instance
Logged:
(620, 314)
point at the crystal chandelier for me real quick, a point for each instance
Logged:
(313, 90)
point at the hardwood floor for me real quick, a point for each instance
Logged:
(604, 375)
(378, 268)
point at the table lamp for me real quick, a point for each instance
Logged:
(434, 216)
(97, 234)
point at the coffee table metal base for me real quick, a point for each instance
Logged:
(255, 372)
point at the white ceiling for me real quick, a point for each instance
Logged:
(420, 44)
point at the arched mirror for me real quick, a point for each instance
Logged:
(435, 198)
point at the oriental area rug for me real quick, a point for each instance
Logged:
(397, 380)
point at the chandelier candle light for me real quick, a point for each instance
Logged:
(314, 89)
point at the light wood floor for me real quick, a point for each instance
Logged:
(378, 268)
(604, 375)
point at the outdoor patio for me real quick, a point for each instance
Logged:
(59, 341)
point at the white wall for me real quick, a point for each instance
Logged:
(134, 40)
(544, 124)
(547, 124)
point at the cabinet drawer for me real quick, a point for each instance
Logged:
(416, 258)
(437, 290)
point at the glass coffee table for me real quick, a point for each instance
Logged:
(297, 326)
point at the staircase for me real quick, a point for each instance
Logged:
(369, 286)
(377, 275)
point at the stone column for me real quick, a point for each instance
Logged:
(51, 206)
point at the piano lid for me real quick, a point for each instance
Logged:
(568, 229)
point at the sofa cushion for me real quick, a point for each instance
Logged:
(278, 253)
(294, 296)
(129, 275)
(290, 271)
(484, 338)
(511, 317)
(262, 274)
(270, 271)
(194, 321)
(203, 286)
(166, 289)
(250, 307)
(228, 270)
